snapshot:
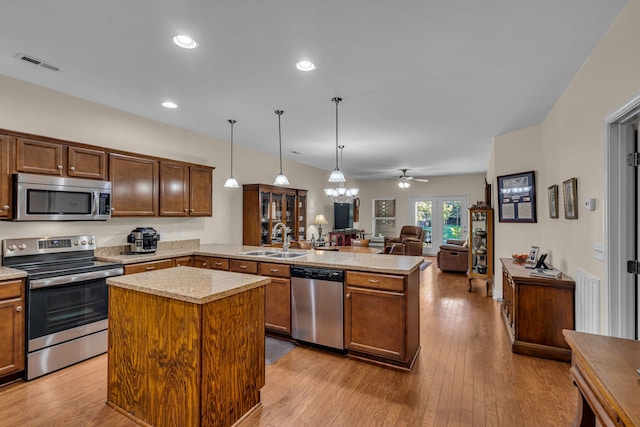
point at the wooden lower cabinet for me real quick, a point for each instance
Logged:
(184, 261)
(214, 263)
(12, 334)
(382, 319)
(277, 298)
(242, 266)
(535, 310)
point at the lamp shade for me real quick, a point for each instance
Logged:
(320, 220)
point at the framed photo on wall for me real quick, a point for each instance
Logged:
(517, 197)
(553, 201)
(570, 193)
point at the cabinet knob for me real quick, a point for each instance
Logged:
(149, 268)
(113, 209)
(273, 270)
(5, 207)
(185, 209)
(374, 281)
(72, 168)
(244, 267)
(19, 308)
(348, 296)
(218, 264)
(190, 210)
(204, 265)
(60, 167)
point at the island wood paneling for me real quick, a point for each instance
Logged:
(173, 363)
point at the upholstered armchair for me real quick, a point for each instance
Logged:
(408, 243)
(454, 256)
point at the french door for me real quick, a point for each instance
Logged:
(442, 218)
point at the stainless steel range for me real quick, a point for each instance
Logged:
(67, 299)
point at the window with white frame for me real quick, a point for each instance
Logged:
(384, 217)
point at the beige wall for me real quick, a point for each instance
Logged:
(570, 143)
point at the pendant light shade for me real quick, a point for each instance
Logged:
(231, 181)
(281, 179)
(336, 175)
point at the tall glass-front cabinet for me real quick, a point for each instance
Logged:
(481, 245)
(266, 205)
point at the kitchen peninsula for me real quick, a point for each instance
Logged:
(186, 346)
(381, 292)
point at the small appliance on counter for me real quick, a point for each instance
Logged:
(143, 240)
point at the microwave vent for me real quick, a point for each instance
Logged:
(35, 61)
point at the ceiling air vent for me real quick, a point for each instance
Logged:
(36, 61)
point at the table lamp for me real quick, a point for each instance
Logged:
(320, 220)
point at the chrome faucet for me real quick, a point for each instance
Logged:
(285, 241)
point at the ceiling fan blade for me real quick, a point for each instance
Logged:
(420, 179)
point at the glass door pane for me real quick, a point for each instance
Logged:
(451, 220)
(442, 218)
(424, 219)
(290, 215)
(265, 228)
(277, 203)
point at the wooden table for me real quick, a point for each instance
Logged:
(604, 370)
(343, 237)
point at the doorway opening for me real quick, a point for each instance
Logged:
(443, 218)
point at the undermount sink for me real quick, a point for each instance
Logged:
(274, 254)
(287, 255)
(260, 253)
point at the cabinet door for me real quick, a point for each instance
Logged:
(41, 157)
(135, 185)
(11, 327)
(174, 189)
(201, 190)
(5, 177)
(201, 261)
(87, 163)
(375, 322)
(242, 266)
(278, 305)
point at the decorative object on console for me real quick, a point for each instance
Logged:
(341, 194)
(570, 193)
(231, 181)
(320, 220)
(281, 179)
(553, 201)
(517, 197)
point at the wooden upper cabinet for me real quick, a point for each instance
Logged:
(5, 177)
(185, 190)
(41, 157)
(200, 191)
(134, 185)
(174, 189)
(87, 163)
(52, 158)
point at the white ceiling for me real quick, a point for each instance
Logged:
(426, 84)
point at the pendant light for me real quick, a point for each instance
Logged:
(231, 181)
(281, 179)
(336, 175)
(341, 194)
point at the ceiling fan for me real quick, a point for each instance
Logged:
(403, 180)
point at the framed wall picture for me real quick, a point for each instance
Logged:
(570, 193)
(553, 201)
(517, 197)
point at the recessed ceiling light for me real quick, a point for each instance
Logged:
(169, 104)
(185, 41)
(305, 66)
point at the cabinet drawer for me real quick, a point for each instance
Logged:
(274, 270)
(11, 289)
(241, 266)
(218, 263)
(375, 281)
(184, 261)
(148, 266)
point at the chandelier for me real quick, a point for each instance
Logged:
(341, 194)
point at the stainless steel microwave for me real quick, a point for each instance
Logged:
(48, 198)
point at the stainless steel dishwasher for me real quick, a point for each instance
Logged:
(317, 306)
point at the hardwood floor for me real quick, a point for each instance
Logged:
(465, 375)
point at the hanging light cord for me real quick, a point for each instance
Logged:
(279, 113)
(337, 100)
(232, 123)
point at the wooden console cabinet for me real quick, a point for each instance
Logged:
(536, 310)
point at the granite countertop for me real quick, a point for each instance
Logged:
(376, 263)
(194, 285)
(7, 273)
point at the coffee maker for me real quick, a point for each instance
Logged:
(143, 240)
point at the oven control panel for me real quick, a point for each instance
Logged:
(47, 245)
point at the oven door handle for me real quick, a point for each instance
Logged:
(74, 278)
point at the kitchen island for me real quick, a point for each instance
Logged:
(186, 346)
(381, 292)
